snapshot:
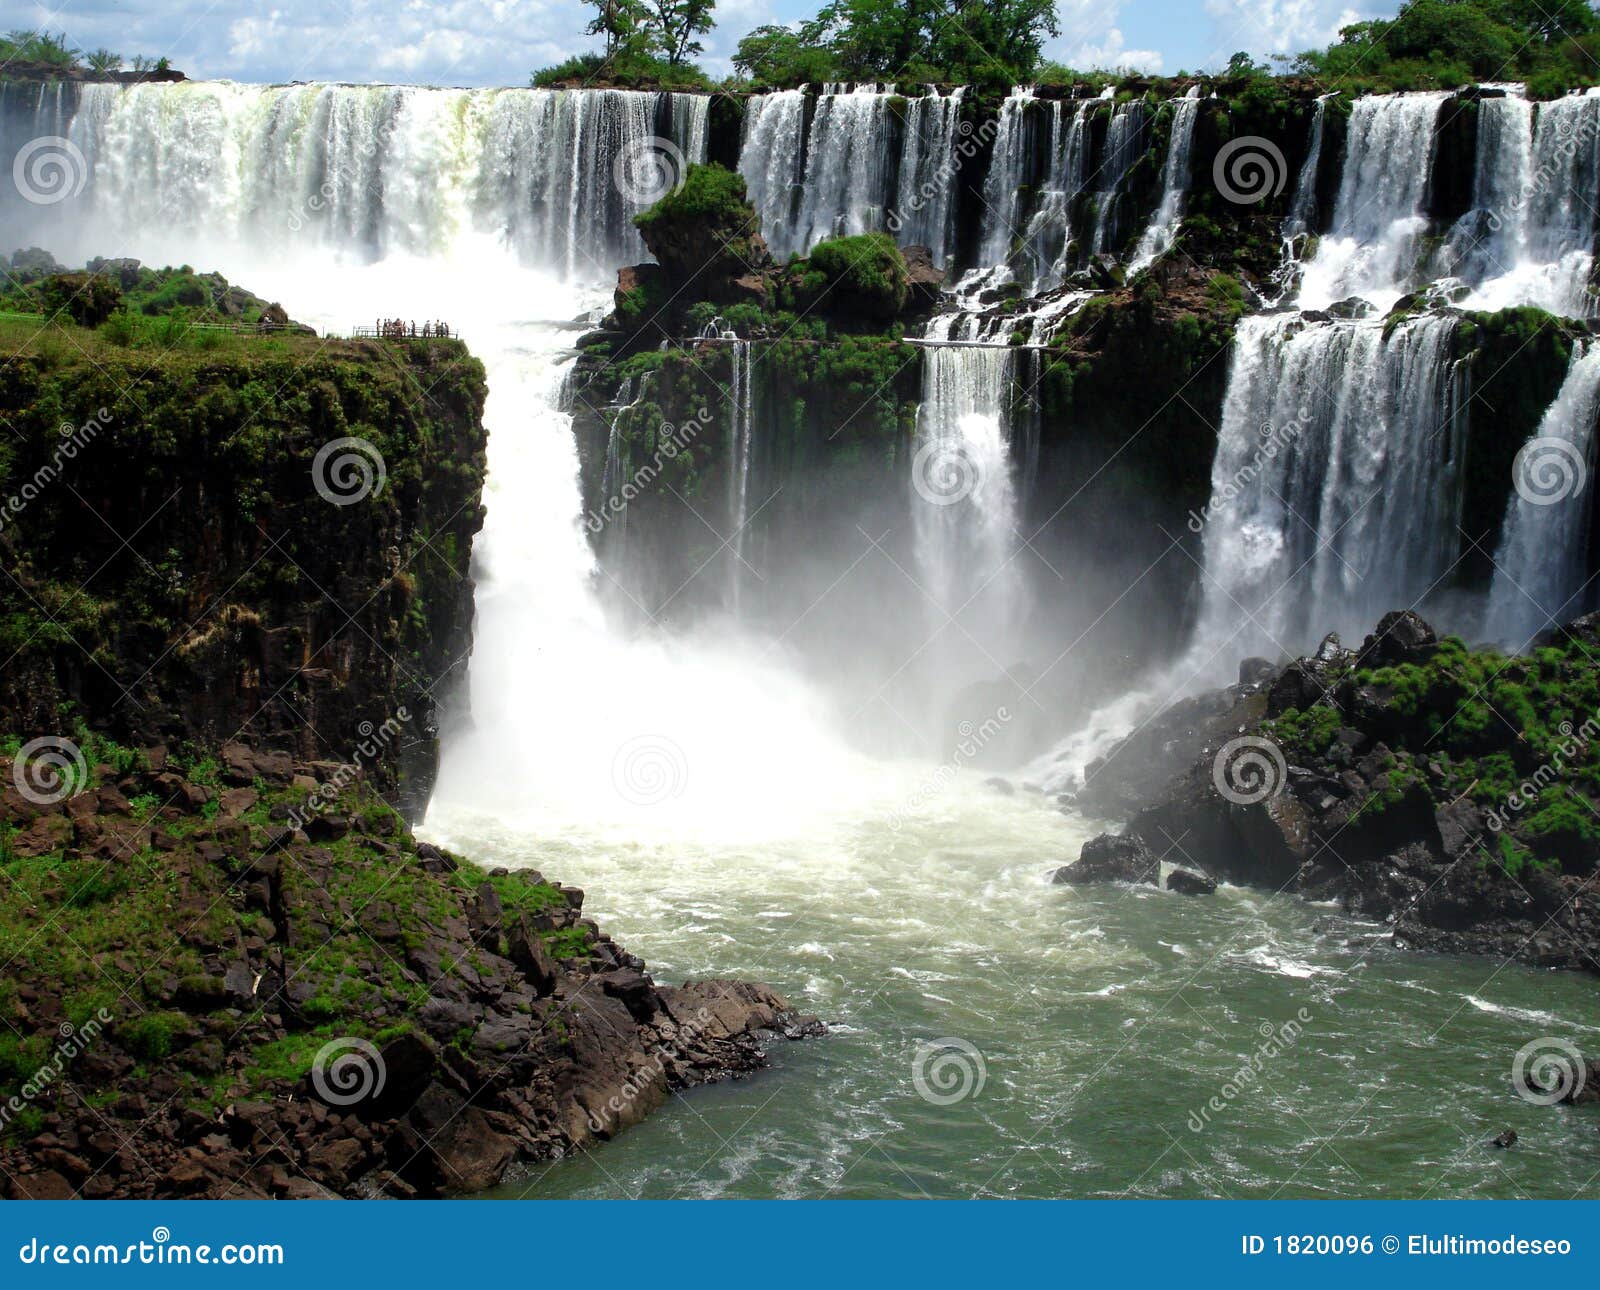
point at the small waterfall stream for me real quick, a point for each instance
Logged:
(1047, 239)
(1003, 185)
(964, 485)
(1538, 578)
(1163, 227)
(1124, 144)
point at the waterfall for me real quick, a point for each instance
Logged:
(1303, 206)
(1336, 487)
(1529, 239)
(1378, 220)
(924, 204)
(739, 453)
(772, 161)
(1046, 242)
(1163, 227)
(372, 171)
(691, 123)
(1492, 237)
(32, 114)
(964, 498)
(847, 175)
(1561, 220)
(1008, 174)
(1124, 144)
(1539, 566)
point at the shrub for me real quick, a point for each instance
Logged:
(865, 273)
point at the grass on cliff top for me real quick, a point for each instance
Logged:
(63, 344)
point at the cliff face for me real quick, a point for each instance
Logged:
(235, 536)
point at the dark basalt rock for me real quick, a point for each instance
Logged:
(1190, 883)
(1111, 859)
(1369, 815)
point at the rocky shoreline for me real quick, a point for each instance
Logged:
(1442, 791)
(230, 981)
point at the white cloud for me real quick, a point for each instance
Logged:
(1089, 39)
(1262, 27)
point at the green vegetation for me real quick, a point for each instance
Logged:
(52, 49)
(1519, 737)
(356, 909)
(977, 42)
(1554, 45)
(648, 43)
(127, 299)
(865, 274)
(1551, 44)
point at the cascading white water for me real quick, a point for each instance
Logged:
(1003, 185)
(1047, 239)
(847, 175)
(924, 203)
(1163, 227)
(1538, 578)
(374, 171)
(964, 492)
(1303, 205)
(1378, 220)
(1530, 238)
(1336, 486)
(772, 161)
(739, 454)
(1491, 238)
(1124, 143)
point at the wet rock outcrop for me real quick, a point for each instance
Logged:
(1447, 792)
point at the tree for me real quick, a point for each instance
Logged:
(674, 24)
(1004, 37)
(102, 62)
(783, 57)
(622, 22)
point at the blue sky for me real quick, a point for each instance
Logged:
(497, 42)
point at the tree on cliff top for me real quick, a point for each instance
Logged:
(1550, 43)
(970, 41)
(674, 24)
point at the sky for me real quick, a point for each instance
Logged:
(499, 42)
